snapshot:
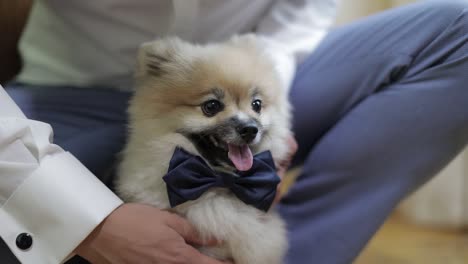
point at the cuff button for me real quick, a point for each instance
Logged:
(24, 241)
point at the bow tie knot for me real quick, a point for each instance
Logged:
(226, 180)
(189, 176)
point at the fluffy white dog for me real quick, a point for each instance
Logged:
(222, 104)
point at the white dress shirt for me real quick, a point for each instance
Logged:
(45, 191)
(94, 43)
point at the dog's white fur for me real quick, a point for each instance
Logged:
(170, 72)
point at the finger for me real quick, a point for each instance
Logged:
(278, 195)
(188, 232)
(293, 142)
(281, 171)
(196, 257)
(293, 146)
(283, 165)
(184, 228)
(211, 241)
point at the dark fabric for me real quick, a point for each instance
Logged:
(189, 176)
(91, 123)
(6, 255)
(379, 108)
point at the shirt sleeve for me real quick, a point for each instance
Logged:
(292, 29)
(45, 192)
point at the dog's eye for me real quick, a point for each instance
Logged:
(257, 105)
(212, 107)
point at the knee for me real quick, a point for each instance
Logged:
(450, 9)
(444, 13)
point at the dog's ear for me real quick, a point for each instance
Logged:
(157, 57)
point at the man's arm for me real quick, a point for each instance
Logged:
(44, 191)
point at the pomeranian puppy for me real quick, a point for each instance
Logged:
(220, 104)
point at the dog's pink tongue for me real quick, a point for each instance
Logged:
(241, 156)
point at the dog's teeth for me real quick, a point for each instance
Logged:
(213, 140)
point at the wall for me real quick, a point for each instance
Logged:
(350, 10)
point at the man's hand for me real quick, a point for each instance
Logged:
(292, 149)
(136, 233)
(284, 164)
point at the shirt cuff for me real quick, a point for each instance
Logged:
(59, 205)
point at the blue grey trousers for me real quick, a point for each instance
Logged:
(379, 108)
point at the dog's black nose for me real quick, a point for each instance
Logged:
(248, 132)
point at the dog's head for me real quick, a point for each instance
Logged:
(225, 100)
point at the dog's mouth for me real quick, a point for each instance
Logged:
(220, 153)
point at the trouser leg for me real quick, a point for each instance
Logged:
(380, 107)
(89, 123)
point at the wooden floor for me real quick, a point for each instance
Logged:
(399, 242)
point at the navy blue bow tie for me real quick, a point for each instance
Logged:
(189, 176)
